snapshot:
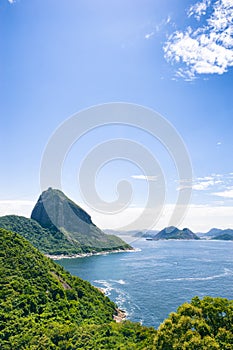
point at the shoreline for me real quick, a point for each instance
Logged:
(120, 316)
(84, 255)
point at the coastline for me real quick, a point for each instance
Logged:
(120, 316)
(84, 255)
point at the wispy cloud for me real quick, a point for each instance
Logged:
(11, 1)
(149, 35)
(156, 28)
(207, 49)
(220, 185)
(203, 183)
(145, 177)
(224, 194)
(199, 9)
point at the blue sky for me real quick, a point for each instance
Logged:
(174, 56)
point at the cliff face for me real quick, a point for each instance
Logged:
(55, 211)
(54, 208)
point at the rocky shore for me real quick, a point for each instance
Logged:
(84, 255)
(120, 316)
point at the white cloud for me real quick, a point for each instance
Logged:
(168, 20)
(149, 35)
(16, 207)
(144, 177)
(219, 143)
(208, 49)
(11, 1)
(184, 184)
(156, 28)
(199, 9)
(204, 183)
(224, 194)
(199, 218)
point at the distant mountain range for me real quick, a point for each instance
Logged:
(167, 233)
(59, 226)
(175, 233)
(132, 233)
(218, 234)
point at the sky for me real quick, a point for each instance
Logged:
(172, 56)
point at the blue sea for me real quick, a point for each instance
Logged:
(154, 280)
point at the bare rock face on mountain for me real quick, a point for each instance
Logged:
(54, 210)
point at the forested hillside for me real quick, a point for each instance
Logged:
(44, 307)
(58, 226)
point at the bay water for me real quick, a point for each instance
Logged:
(159, 276)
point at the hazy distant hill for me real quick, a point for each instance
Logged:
(175, 233)
(219, 234)
(225, 235)
(59, 226)
(211, 233)
(133, 233)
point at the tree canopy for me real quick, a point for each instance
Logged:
(42, 306)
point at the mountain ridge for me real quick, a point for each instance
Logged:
(218, 234)
(58, 226)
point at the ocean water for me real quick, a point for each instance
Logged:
(153, 281)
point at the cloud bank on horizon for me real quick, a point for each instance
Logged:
(206, 46)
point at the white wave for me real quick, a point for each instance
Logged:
(120, 300)
(105, 286)
(136, 250)
(226, 272)
(119, 281)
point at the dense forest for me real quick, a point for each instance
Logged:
(44, 307)
(48, 241)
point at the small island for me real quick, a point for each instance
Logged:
(173, 232)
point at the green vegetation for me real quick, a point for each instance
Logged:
(55, 212)
(44, 307)
(203, 324)
(71, 230)
(47, 241)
